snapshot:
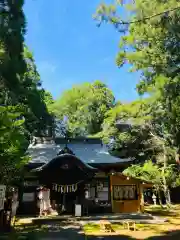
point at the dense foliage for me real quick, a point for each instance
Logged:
(23, 108)
(150, 44)
(125, 134)
(12, 144)
(84, 108)
(151, 172)
(34, 98)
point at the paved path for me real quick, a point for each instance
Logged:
(119, 218)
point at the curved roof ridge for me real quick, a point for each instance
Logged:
(57, 158)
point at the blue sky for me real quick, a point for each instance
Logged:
(70, 49)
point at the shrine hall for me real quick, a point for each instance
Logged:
(77, 172)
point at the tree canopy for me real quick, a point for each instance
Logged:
(149, 44)
(12, 144)
(84, 108)
(23, 102)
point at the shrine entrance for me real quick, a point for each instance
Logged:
(64, 197)
(65, 176)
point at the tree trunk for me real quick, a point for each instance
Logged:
(165, 186)
(159, 197)
(167, 193)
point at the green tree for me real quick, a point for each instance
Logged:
(155, 174)
(12, 30)
(12, 66)
(19, 79)
(23, 107)
(34, 98)
(84, 107)
(124, 133)
(13, 144)
(150, 44)
(146, 138)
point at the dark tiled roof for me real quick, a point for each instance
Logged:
(43, 152)
(83, 150)
(61, 140)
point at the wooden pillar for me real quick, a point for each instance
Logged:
(64, 202)
(1, 219)
(141, 197)
(111, 192)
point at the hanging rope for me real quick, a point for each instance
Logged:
(65, 188)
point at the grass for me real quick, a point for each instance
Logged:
(145, 231)
(32, 229)
(95, 228)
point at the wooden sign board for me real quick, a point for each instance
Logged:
(124, 192)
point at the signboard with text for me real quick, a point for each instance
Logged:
(124, 192)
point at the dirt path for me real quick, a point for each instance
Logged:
(67, 229)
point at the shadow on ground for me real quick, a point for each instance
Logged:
(76, 234)
(173, 235)
(63, 230)
(162, 213)
(121, 216)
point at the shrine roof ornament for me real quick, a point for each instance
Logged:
(65, 150)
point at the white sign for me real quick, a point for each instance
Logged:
(2, 196)
(103, 196)
(65, 188)
(28, 197)
(31, 184)
(77, 210)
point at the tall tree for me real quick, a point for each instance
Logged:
(13, 27)
(84, 107)
(19, 78)
(34, 98)
(150, 44)
(23, 109)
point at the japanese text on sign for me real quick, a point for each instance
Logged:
(124, 192)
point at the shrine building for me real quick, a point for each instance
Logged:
(78, 171)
